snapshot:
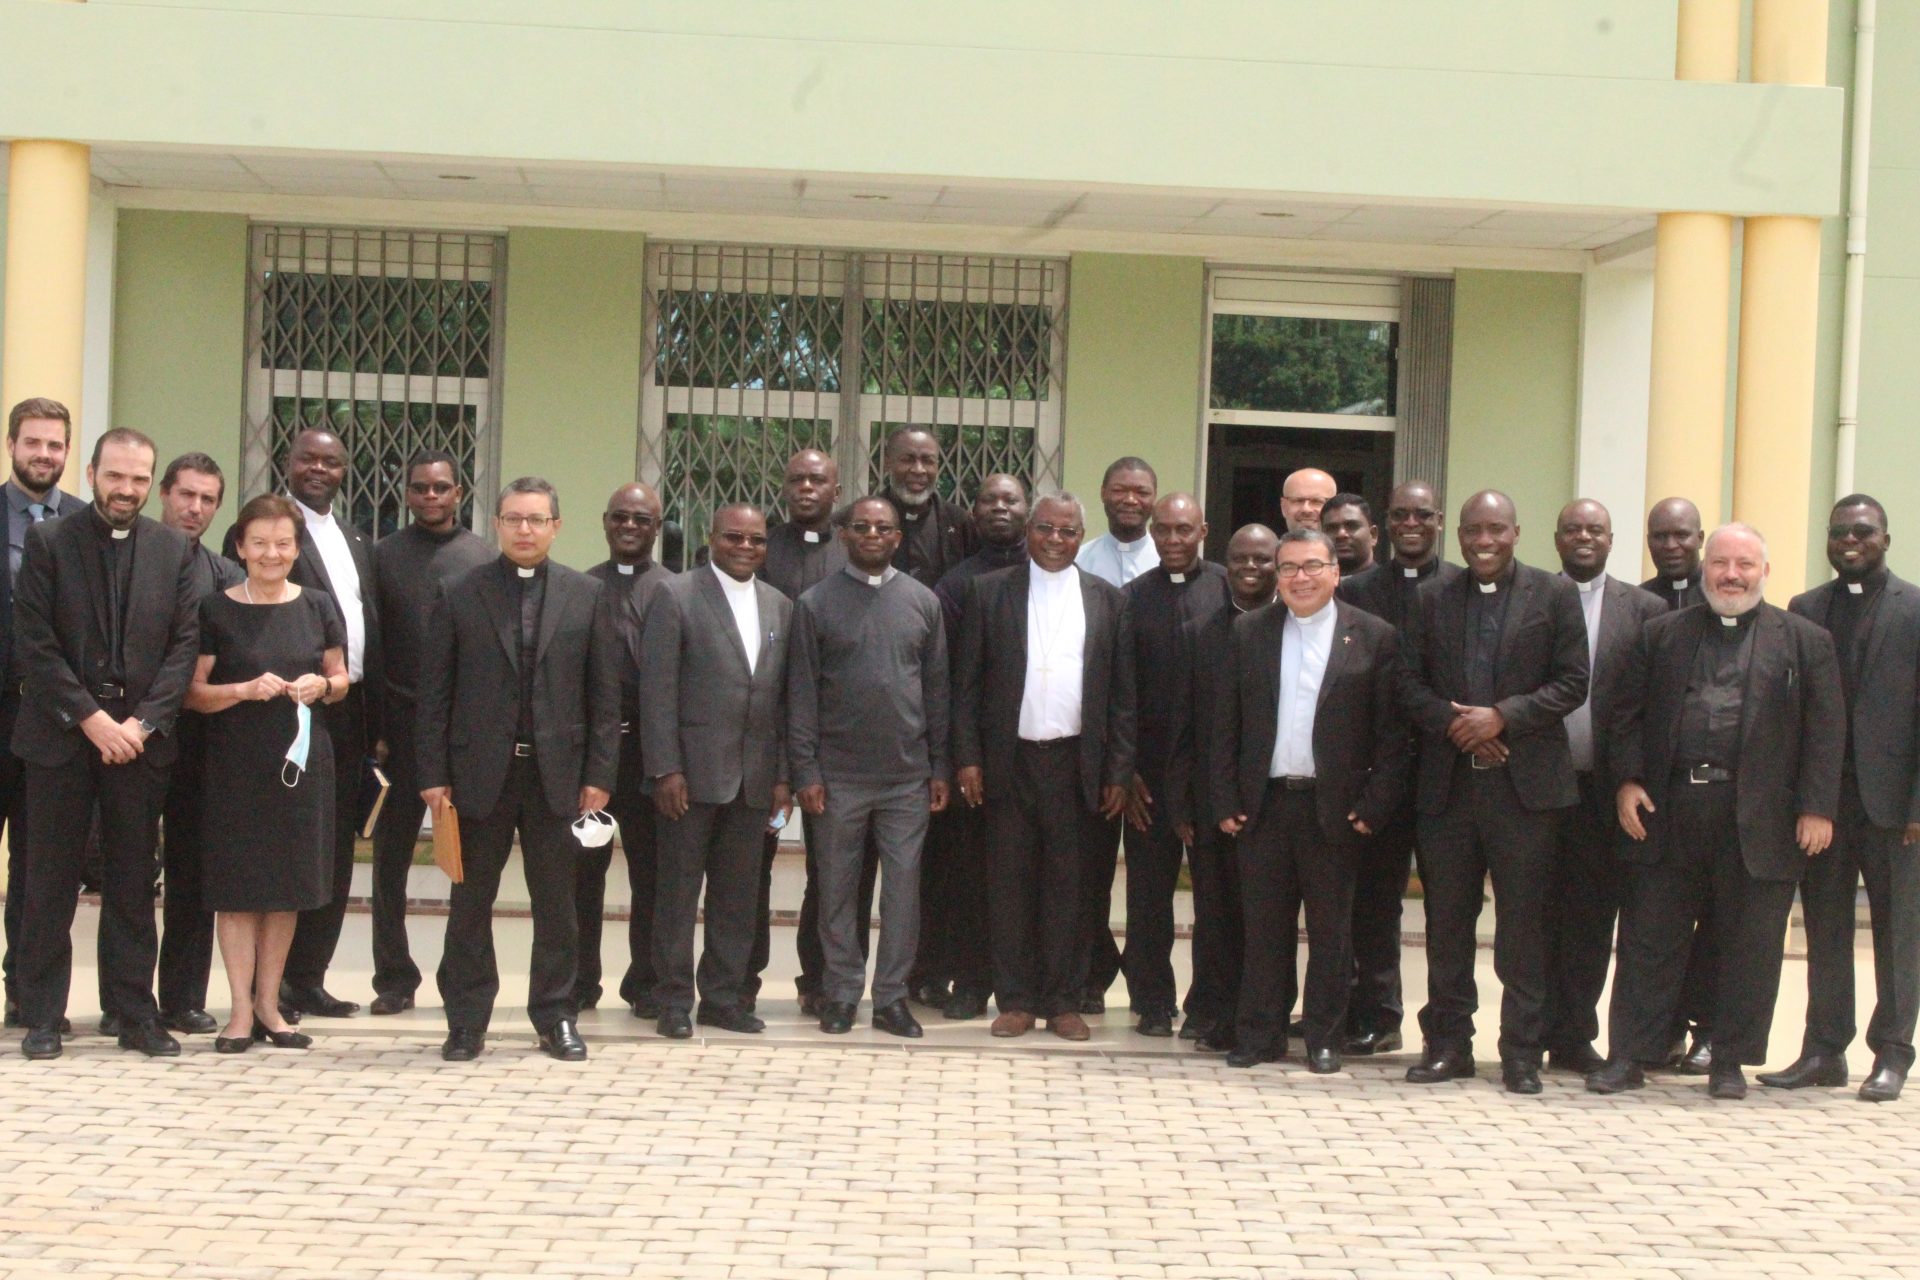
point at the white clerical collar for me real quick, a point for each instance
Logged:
(809, 535)
(1855, 587)
(623, 568)
(1176, 577)
(1727, 621)
(1681, 584)
(873, 579)
(1408, 573)
(1590, 586)
(524, 571)
(730, 583)
(1051, 575)
(121, 533)
(1487, 588)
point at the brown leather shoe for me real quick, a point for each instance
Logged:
(1068, 1026)
(1014, 1022)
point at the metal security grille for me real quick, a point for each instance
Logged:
(757, 352)
(388, 339)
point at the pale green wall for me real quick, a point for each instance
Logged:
(179, 333)
(574, 309)
(1516, 365)
(1136, 328)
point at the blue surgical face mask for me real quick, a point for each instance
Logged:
(302, 742)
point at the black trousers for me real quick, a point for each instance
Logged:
(953, 904)
(395, 836)
(813, 962)
(186, 932)
(1827, 895)
(129, 797)
(1385, 860)
(632, 809)
(13, 813)
(469, 977)
(1042, 833)
(722, 846)
(1219, 938)
(318, 931)
(1100, 862)
(1286, 860)
(1153, 875)
(1582, 904)
(1702, 862)
(1486, 833)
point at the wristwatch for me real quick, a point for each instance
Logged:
(149, 728)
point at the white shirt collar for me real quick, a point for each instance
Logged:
(1408, 573)
(1590, 586)
(1854, 587)
(809, 535)
(730, 584)
(1319, 618)
(1051, 576)
(311, 516)
(1680, 584)
(623, 568)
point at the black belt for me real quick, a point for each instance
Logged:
(1288, 782)
(113, 691)
(523, 750)
(1705, 773)
(1050, 744)
(1479, 763)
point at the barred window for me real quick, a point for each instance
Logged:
(390, 340)
(756, 352)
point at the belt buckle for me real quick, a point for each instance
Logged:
(1476, 762)
(107, 689)
(1693, 775)
(522, 750)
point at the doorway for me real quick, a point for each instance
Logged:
(1247, 465)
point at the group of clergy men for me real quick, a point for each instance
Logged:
(972, 705)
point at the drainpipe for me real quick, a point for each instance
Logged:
(1856, 285)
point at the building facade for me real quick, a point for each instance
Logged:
(1590, 247)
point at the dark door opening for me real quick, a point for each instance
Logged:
(1246, 467)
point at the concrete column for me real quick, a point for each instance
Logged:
(46, 292)
(1692, 300)
(1779, 324)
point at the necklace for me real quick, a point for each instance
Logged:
(246, 585)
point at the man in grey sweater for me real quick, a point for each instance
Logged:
(867, 742)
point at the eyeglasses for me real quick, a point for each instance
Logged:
(1412, 515)
(634, 518)
(1315, 504)
(1312, 568)
(868, 528)
(1048, 532)
(431, 488)
(535, 523)
(735, 538)
(1859, 531)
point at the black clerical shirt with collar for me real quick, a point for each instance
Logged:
(1679, 593)
(1716, 687)
(1850, 619)
(1486, 614)
(798, 557)
(116, 561)
(1162, 603)
(531, 588)
(1388, 589)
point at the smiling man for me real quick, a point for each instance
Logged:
(1496, 660)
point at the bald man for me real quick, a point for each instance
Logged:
(631, 523)
(1495, 662)
(1177, 591)
(1304, 495)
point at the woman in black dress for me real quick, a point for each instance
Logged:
(268, 652)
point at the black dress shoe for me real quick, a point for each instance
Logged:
(40, 1044)
(390, 1002)
(111, 1024)
(232, 1044)
(1698, 1060)
(836, 1017)
(1323, 1061)
(1368, 1043)
(736, 1020)
(1617, 1076)
(674, 1024)
(562, 1042)
(934, 995)
(645, 1008)
(1520, 1077)
(1254, 1057)
(1221, 1039)
(1454, 1062)
(1192, 1028)
(811, 1004)
(1092, 1002)
(1884, 1082)
(897, 1020)
(316, 1001)
(964, 1005)
(1157, 1025)
(1726, 1081)
(462, 1044)
(1579, 1059)
(150, 1038)
(288, 1039)
(191, 1022)
(1824, 1070)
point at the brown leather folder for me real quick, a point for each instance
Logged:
(446, 842)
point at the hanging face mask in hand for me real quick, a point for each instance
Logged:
(302, 741)
(593, 829)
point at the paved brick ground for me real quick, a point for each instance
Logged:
(728, 1156)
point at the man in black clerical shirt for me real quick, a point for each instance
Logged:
(411, 566)
(631, 522)
(1731, 741)
(1874, 618)
(1374, 1015)
(1179, 589)
(190, 492)
(939, 533)
(1348, 520)
(953, 874)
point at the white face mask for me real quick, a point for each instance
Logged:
(593, 829)
(302, 743)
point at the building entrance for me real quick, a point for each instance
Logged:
(1246, 467)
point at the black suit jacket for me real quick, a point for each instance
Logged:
(1359, 736)
(1379, 590)
(61, 504)
(630, 622)
(1793, 732)
(1623, 612)
(1540, 674)
(1885, 717)
(1198, 747)
(470, 689)
(61, 641)
(992, 677)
